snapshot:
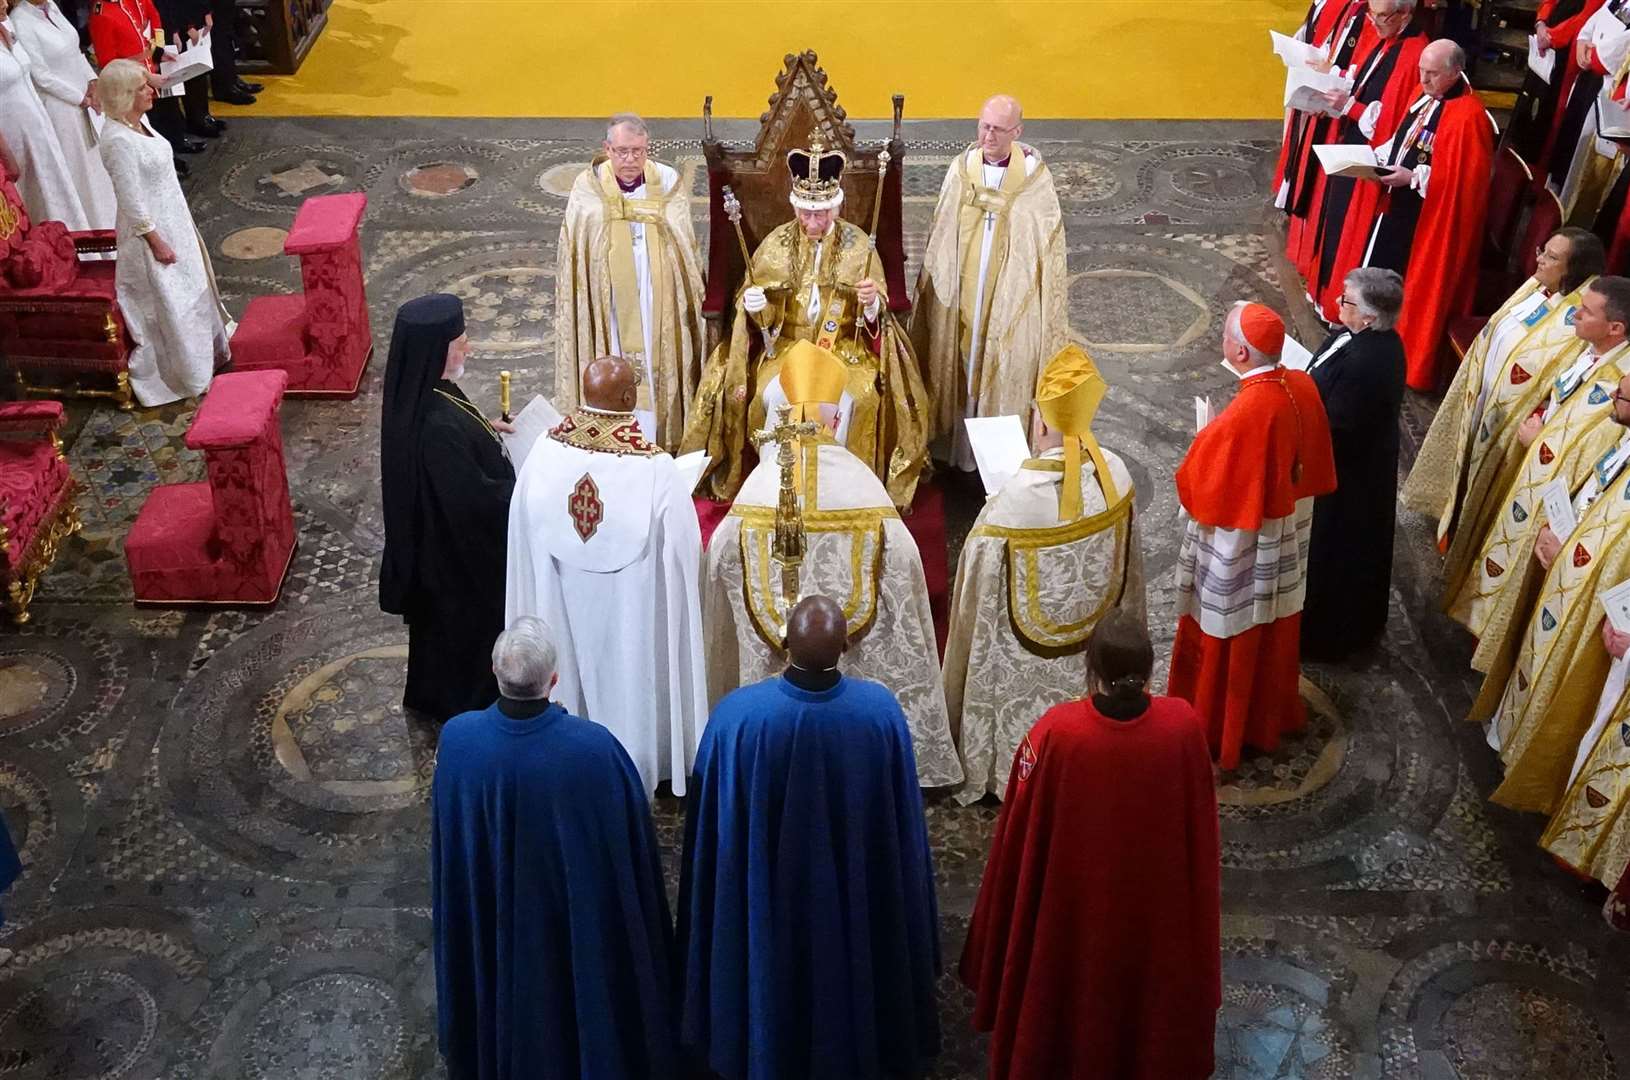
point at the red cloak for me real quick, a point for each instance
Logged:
(1441, 279)
(1353, 233)
(1563, 35)
(1094, 949)
(1320, 24)
(1238, 475)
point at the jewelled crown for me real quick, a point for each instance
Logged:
(817, 175)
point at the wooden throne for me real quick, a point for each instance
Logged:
(802, 105)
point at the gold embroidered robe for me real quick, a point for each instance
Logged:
(1494, 596)
(1024, 317)
(1546, 704)
(1474, 431)
(887, 425)
(1028, 592)
(1590, 830)
(593, 255)
(861, 555)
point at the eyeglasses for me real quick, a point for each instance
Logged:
(1344, 302)
(630, 153)
(1541, 255)
(992, 129)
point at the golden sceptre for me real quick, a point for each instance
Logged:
(791, 543)
(503, 396)
(732, 210)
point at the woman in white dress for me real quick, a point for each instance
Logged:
(67, 88)
(166, 286)
(30, 141)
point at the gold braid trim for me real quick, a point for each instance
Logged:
(603, 433)
(863, 526)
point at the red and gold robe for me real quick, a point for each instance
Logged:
(1247, 485)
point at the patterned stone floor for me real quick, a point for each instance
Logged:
(223, 814)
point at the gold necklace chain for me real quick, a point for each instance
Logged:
(470, 409)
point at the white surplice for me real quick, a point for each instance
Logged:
(61, 73)
(44, 180)
(624, 605)
(173, 312)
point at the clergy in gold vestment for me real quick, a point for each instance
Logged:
(1553, 441)
(859, 553)
(1543, 702)
(628, 281)
(814, 279)
(1590, 830)
(1505, 373)
(992, 298)
(1049, 554)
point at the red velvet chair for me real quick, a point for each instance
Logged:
(321, 336)
(59, 317)
(228, 540)
(37, 509)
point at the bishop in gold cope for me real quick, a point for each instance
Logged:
(814, 279)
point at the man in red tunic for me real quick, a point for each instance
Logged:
(1247, 485)
(1436, 165)
(1094, 948)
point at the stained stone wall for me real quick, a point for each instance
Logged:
(223, 814)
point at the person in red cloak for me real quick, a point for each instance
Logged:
(1247, 486)
(1537, 114)
(1436, 169)
(1094, 949)
(1323, 18)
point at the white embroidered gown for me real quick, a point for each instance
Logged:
(44, 180)
(173, 312)
(61, 74)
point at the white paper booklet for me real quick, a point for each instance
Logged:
(189, 63)
(1294, 355)
(691, 466)
(1341, 159)
(531, 424)
(1293, 52)
(1617, 602)
(1000, 449)
(1202, 413)
(1305, 89)
(1558, 508)
(1540, 63)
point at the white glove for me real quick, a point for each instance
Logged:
(754, 300)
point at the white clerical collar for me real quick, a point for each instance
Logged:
(1263, 370)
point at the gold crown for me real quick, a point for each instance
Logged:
(810, 375)
(1070, 391)
(817, 175)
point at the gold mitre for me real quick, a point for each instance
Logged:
(811, 377)
(1068, 396)
(817, 175)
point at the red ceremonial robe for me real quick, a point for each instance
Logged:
(1563, 35)
(1324, 17)
(1242, 570)
(1094, 949)
(1440, 280)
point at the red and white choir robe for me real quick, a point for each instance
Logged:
(1574, 133)
(1430, 231)
(1387, 81)
(1565, 18)
(1247, 486)
(1320, 24)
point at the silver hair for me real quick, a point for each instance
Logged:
(117, 86)
(627, 119)
(1403, 5)
(1380, 294)
(524, 659)
(1232, 332)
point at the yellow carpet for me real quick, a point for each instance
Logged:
(1086, 59)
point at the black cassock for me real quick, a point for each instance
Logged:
(1349, 574)
(446, 488)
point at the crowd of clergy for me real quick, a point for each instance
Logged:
(1523, 468)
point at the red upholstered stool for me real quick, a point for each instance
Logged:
(321, 336)
(228, 540)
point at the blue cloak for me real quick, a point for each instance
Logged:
(552, 941)
(10, 865)
(807, 921)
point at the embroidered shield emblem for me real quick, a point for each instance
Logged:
(1518, 375)
(1573, 313)
(1492, 568)
(1624, 733)
(1518, 513)
(1581, 557)
(1027, 759)
(1547, 621)
(1595, 798)
(585, 508)
(1546, 455)
(1598, 396)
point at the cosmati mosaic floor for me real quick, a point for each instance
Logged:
(223, 814)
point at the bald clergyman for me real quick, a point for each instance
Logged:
(992, 300)
(604, 546)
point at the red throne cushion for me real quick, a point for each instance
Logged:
(230, 539)
(36, 498)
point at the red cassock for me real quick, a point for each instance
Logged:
(1242, 572)
(1563, 35)
(1441, 279)
(1094, 948)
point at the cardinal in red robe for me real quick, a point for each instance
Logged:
(1094, 948)
(1436, 169)
(1247, 485)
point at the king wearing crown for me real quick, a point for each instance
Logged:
(812, 280)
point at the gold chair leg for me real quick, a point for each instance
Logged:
(18, 594)
(125, 397)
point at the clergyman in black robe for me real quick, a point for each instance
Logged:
(446, 484)
(1359, 370)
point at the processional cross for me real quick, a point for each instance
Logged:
(791, 543)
